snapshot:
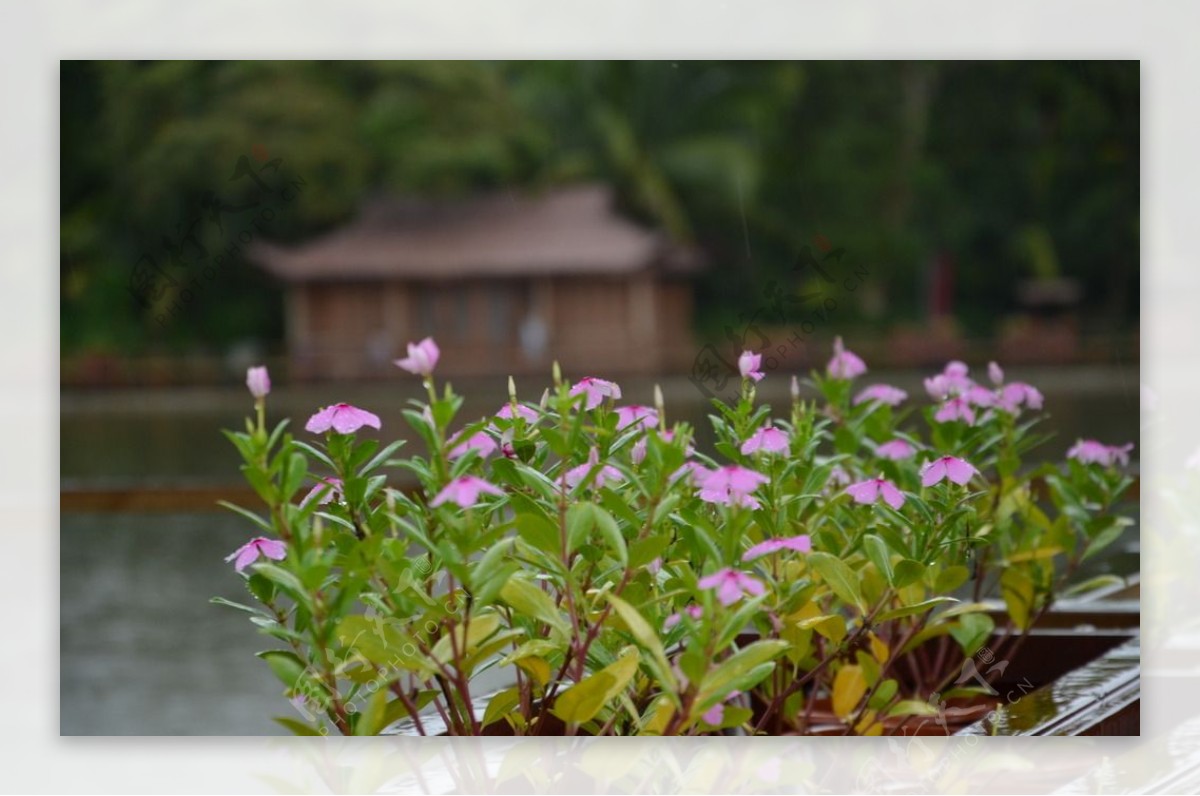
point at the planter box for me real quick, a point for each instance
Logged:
(1077, 673)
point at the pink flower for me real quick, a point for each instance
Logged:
(596, 390)
(638, 454)
(883, 393)
(837, 477)
(953, 380)
(332, 487)
(342, 418)
(896, 450)
(869, 491)
(845, 364)
(248, 553)
(465, 491)
(258, 381)
(422, 357)
(529, 415)
(1018, 393)
(716, 714)
(938, 387)
(479, 441)
(731, 585)
(995, 373)
(693, 473)
(1089, 451)
(647, 416)
(694, 611)
(767, 439)
(956, 370)
(749, 364)
(731, 485)
(606, 474)
(980, 396)
(801, 544)
(956, 408)
(957, 470)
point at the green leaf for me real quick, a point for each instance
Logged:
(1109, 534)
(222, 601)
(739, 671)
(372, 720)
(1017, 589)
(297, 467)
(643, 551)
(261, 587)
(1033, 555)
(500, 705)
(527, 599)
(951, 578)
(908, 572)
(964, 608)
(582, 701)
(972, 631)
(831, 626)
(537, 648)
(915, 608)
(879, 555)
(883, 694)
(912, 707)
(250, 515)
(640, 629)
(1094, 584)
(381, 457)
(539, 532)
(380, 641)
(581, 519)
(480, 628)
(608, 529)
(840, 577)
(284, 580)
(286, 666)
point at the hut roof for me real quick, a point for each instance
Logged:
(572, 230)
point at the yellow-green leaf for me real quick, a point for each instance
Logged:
(912, 707)
(831, 626)
(908, 572)
(951, 578)
(526, 598)
(500, 705)
(849, 685)
(582, 701)
(739, 671)
(880, 555)
(838, 574)
(480, 628)
(1016, 588)
(640, 629)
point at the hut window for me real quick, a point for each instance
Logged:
(443, 312)
(501, 310)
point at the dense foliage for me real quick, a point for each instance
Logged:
(1010, 169)
(826, 573)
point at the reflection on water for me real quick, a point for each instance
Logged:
(143, 652)
(175, 434)
(142, 649)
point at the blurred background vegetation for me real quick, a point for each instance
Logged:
(1014, 170)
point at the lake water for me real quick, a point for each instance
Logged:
(144, 652)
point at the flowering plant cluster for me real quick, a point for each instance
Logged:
(811, 575)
